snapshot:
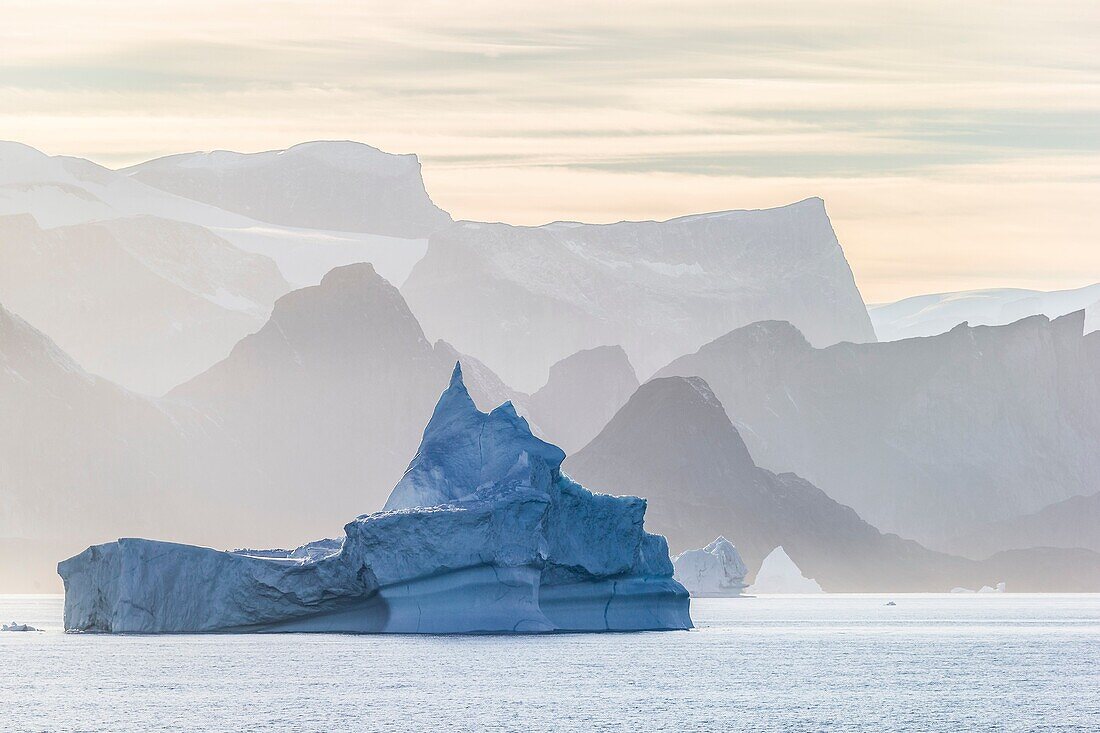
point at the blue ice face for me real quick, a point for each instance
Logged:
(468, 455)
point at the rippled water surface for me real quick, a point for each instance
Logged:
(801, 663)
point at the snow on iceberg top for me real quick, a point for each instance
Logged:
(715, 570)
(468, 455)
(728, 554)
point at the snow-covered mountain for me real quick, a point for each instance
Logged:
(928, 315)
(331, 395)
(928, 437)
(584, 391)
(146, 287)
(674, 445)
(61, 190)
(659, 289)
(342, 186)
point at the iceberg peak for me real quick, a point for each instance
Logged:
(456, 378)
(454, 402)
(466, 454)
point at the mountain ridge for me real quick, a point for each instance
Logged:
(900, 429)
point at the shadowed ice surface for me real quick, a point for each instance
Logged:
(801, 663)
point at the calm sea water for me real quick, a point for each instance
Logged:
(802, 663)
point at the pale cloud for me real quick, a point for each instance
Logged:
(954, 143)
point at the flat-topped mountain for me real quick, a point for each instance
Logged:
(59, 190)
(343, 186)
(149, 288)
(659, 289)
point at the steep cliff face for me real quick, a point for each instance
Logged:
(659, 289)
(927, 437)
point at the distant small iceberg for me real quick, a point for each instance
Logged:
(13, 626)
(715, 571)
(984, 589)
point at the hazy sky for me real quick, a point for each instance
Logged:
(956, 144)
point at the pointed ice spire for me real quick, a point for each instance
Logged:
(465, 451)
(454, 401)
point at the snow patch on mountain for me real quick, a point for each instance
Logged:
(659, 289)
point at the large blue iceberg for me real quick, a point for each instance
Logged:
(484, 533)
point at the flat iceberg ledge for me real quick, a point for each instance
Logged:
(483, 534)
